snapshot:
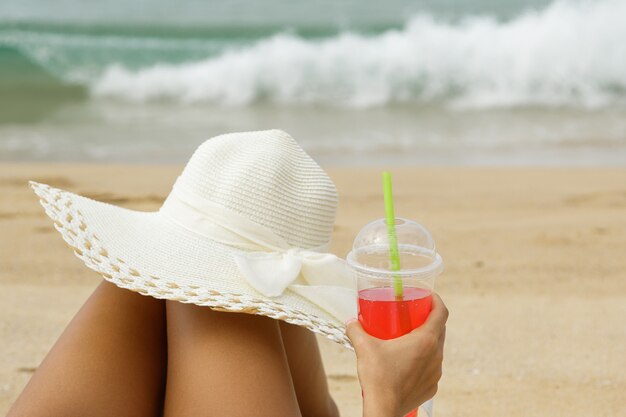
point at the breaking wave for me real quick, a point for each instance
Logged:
(568, 54)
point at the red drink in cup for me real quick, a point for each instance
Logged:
(391, 301)
(385, 317)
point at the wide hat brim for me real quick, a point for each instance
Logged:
(147, 253)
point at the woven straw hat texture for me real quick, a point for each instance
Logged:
(264, 176)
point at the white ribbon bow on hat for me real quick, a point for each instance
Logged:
(267, 262)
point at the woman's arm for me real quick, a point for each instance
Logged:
(400, 374)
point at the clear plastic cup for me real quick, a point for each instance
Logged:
(381, 311)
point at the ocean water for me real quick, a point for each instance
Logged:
(465, 82)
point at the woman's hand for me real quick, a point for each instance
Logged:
(400, 374)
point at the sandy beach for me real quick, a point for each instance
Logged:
(535, 278)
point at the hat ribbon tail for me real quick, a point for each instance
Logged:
(321, 278)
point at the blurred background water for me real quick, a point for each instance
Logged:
(452, 82)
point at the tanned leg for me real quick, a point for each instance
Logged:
(307, 372)
(109, 361)
(226, 364)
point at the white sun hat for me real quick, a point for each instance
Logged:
(246, 228)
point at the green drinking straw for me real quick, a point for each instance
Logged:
(394, 253)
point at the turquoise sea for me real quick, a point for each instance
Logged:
(447, 82)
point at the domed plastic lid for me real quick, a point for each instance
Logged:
(416, 246)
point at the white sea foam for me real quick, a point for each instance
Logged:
(571, 53)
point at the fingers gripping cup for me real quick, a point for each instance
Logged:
(395, 263)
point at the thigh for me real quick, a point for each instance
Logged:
(225, 364)
(307, 372)
(109, 361)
